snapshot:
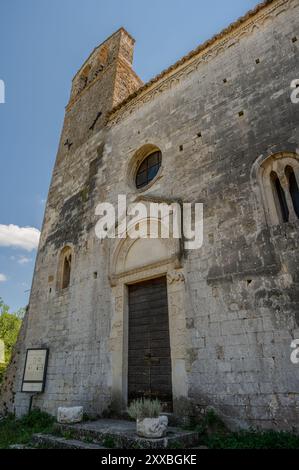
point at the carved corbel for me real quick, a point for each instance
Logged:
(175, 276)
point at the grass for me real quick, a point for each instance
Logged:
(175, 445)
(20, 431)
(252, 440)
(215, 435)
(109, 442)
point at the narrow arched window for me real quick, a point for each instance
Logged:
(279, 184)
(85, 74)
(279, 197)
(65, 268)
(66, 275)
(293, 188)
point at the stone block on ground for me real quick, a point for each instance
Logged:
(69, 415)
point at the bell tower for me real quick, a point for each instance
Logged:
(105, 79)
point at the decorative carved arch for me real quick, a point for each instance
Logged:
(164, 251)
(262, 184)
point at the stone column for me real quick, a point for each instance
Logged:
(177, 331)
(285, 186)
(118, 345)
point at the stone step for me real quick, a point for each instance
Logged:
(122, 435)
(56, 442)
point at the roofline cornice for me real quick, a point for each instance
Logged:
(212, 47)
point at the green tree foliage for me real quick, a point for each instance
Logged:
(3, 307)
(10, 324)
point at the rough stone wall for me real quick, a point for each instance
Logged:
(125, 83)
(241, 286)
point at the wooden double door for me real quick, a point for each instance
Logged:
(149, 359)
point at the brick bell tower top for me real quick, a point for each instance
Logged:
(117, 47)
(105, 79)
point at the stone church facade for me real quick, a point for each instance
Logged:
(221, 128)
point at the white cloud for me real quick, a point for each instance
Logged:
(21, 259)
(19, 237)
(24, 260)
(3, 278)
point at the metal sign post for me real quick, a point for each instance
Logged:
(30, 402)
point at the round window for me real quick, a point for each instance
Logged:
(148, 169)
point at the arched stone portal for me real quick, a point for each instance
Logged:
(132, 262)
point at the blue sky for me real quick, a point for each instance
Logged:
(42, 45)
